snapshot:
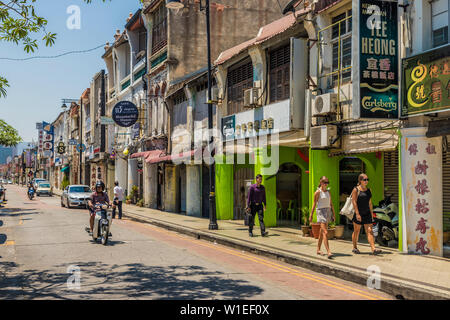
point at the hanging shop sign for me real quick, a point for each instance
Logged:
(73, 142)
(48, 140)
(422, 192)
(375, 62)
(61, 148)
(228, 127)
(125, 114)
(426, 82)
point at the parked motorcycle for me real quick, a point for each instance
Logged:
(102, 223)
(30, 193)
(385, 219)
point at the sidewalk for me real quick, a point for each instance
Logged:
(409, 276)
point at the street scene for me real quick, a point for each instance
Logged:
(221, 150)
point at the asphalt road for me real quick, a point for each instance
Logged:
(45, 250)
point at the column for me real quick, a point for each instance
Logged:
(171, 196)
(132, 174)
(193, 190)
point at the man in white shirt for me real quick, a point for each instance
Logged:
(118, 199)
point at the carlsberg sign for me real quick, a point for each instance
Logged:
(375, 62)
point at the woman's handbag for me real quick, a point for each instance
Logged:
(348, 210)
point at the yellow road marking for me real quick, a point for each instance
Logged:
(9, 243)
(305, 275)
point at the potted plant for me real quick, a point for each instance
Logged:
(331, 230)
(339, 231)
(140, 203)
(128, 199)
(305, 226)
(134, 194)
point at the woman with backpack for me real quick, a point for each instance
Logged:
(362, 204)
(325, 213)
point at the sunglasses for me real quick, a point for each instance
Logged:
(365, 179)
(326, 182)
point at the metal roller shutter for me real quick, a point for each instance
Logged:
(446, 188)
(391, 175)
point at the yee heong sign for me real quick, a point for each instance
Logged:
(426, 82)
(375, 71)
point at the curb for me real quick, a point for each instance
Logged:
(389, 285)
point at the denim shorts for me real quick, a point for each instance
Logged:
(324, 215)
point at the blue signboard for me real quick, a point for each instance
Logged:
(81, 147)
(125, 114)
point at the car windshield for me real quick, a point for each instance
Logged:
(79, 189)
(44, 185)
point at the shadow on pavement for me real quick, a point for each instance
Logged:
(13, 212)
(100, 281)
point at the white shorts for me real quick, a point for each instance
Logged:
(323, 215)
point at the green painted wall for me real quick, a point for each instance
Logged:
(224, 189)
(323, 165)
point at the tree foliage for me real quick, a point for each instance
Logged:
(9, 136)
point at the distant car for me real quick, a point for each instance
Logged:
(35, 182)
(10, 182)
(44, 187)
(75, 196)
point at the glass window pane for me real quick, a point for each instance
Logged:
(440, 36)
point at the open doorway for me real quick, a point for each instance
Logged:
(243, 178)
(289, 195)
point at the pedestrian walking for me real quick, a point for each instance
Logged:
(118, 200)
(362, 204)
(325, 213)
(256, 204)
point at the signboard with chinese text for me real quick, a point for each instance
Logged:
(228, 127)
(422, 192)
(375, 60)
(426, 82)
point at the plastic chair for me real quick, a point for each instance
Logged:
(292, 210)
(279, 210)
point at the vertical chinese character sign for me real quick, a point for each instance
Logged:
(375, 59)
(422, 192)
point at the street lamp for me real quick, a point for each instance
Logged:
(176, 4)
(80, 147)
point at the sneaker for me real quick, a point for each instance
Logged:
(265, 234)
(250, 234)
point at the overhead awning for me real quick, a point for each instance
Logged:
(65, 169)
(375, 141)
(155, 156)
(140, 155)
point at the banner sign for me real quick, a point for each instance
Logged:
(375, 60)
(107, 121)
(422, 192)
(125, 114)
(426, 82)
(48, 141)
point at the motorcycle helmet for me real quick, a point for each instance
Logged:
(100, 184)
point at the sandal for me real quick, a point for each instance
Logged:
(319, 253)
(376, 251)
(330, 256)
(356, 251)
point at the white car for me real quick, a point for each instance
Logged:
(44, 187)
(76, 196)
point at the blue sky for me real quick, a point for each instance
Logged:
(37, 86)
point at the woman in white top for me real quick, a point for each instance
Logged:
(325, 213)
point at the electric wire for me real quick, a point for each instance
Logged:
(53, 57)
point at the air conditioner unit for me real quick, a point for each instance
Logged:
(215, 97)
(252, 97)
(324, 104)
(324, 137)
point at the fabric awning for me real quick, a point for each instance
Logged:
(65, 169)
(140, 155)
(155, 156)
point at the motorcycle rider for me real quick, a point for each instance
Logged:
(31, 186)
(99, 196)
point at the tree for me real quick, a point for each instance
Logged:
(9, 136)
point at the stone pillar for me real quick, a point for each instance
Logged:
(133, 176)
(151, 185)
(121, 173)
(194, 190)
(171, 196)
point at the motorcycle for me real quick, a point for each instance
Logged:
(102, 223)
(30, 193)
(386, 221)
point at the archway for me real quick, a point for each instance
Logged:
(289, 194)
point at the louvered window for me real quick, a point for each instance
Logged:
(240, 77)
(279, 73)
(159, 30)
